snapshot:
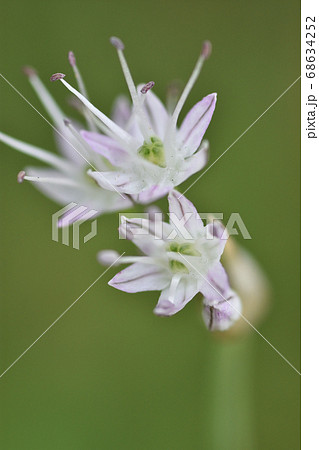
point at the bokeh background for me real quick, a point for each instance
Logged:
(110, 374)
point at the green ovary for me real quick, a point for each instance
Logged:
(177, 266)
(153, 151)
(184, 249)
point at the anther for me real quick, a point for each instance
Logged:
(147, 87)
(57, 76)
(108, 257)
(29, 71)
(72, 59)
(20, 176)
(206, 49)
(117, 43)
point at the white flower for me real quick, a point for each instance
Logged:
(181, 258)
(66, 180)
(149, 154)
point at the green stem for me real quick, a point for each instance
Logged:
(229, 396)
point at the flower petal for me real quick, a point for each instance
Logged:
(148, 235)
(106, 147)
(216, 286)
(69, 146)
(153, 193)
(185, 291)
(128, 183)
(36, 152)
(121, 111)
(216, 231)
(84, 193)
(182, 210)
(195, 124)
(194, 163)
(114, 128)
(140, 277)
(223, 315)
(156, 113)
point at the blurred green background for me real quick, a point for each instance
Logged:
(110, 374)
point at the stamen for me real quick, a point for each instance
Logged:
(147, 87)
(140, 259)
(29, 71)
(84, 146)
(118, 44)
(72, 59)
(20, 176)
(82, 88)
(45, 97)
(206, 49)
(102, 127)
(35, 152)
(57, 76)
(144, 124)
(118, 131)
(205, 52)
(61, 181)
(109, 257)
(75, 104)
(173, 92)
(86, 150)
(173, 287)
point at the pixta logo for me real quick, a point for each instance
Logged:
(152, 224)
(75, 215)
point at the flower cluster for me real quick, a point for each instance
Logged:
(139, 155)
(180, 258)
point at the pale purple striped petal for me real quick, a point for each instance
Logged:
(185, 291)
(181, 208)
(147, 235)
(193, 164)
(224, 314)
(153, 193)
(195, 124)
(106, 147)
(218, 232)
(216, 286)
(118, 181)
(140, 277)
